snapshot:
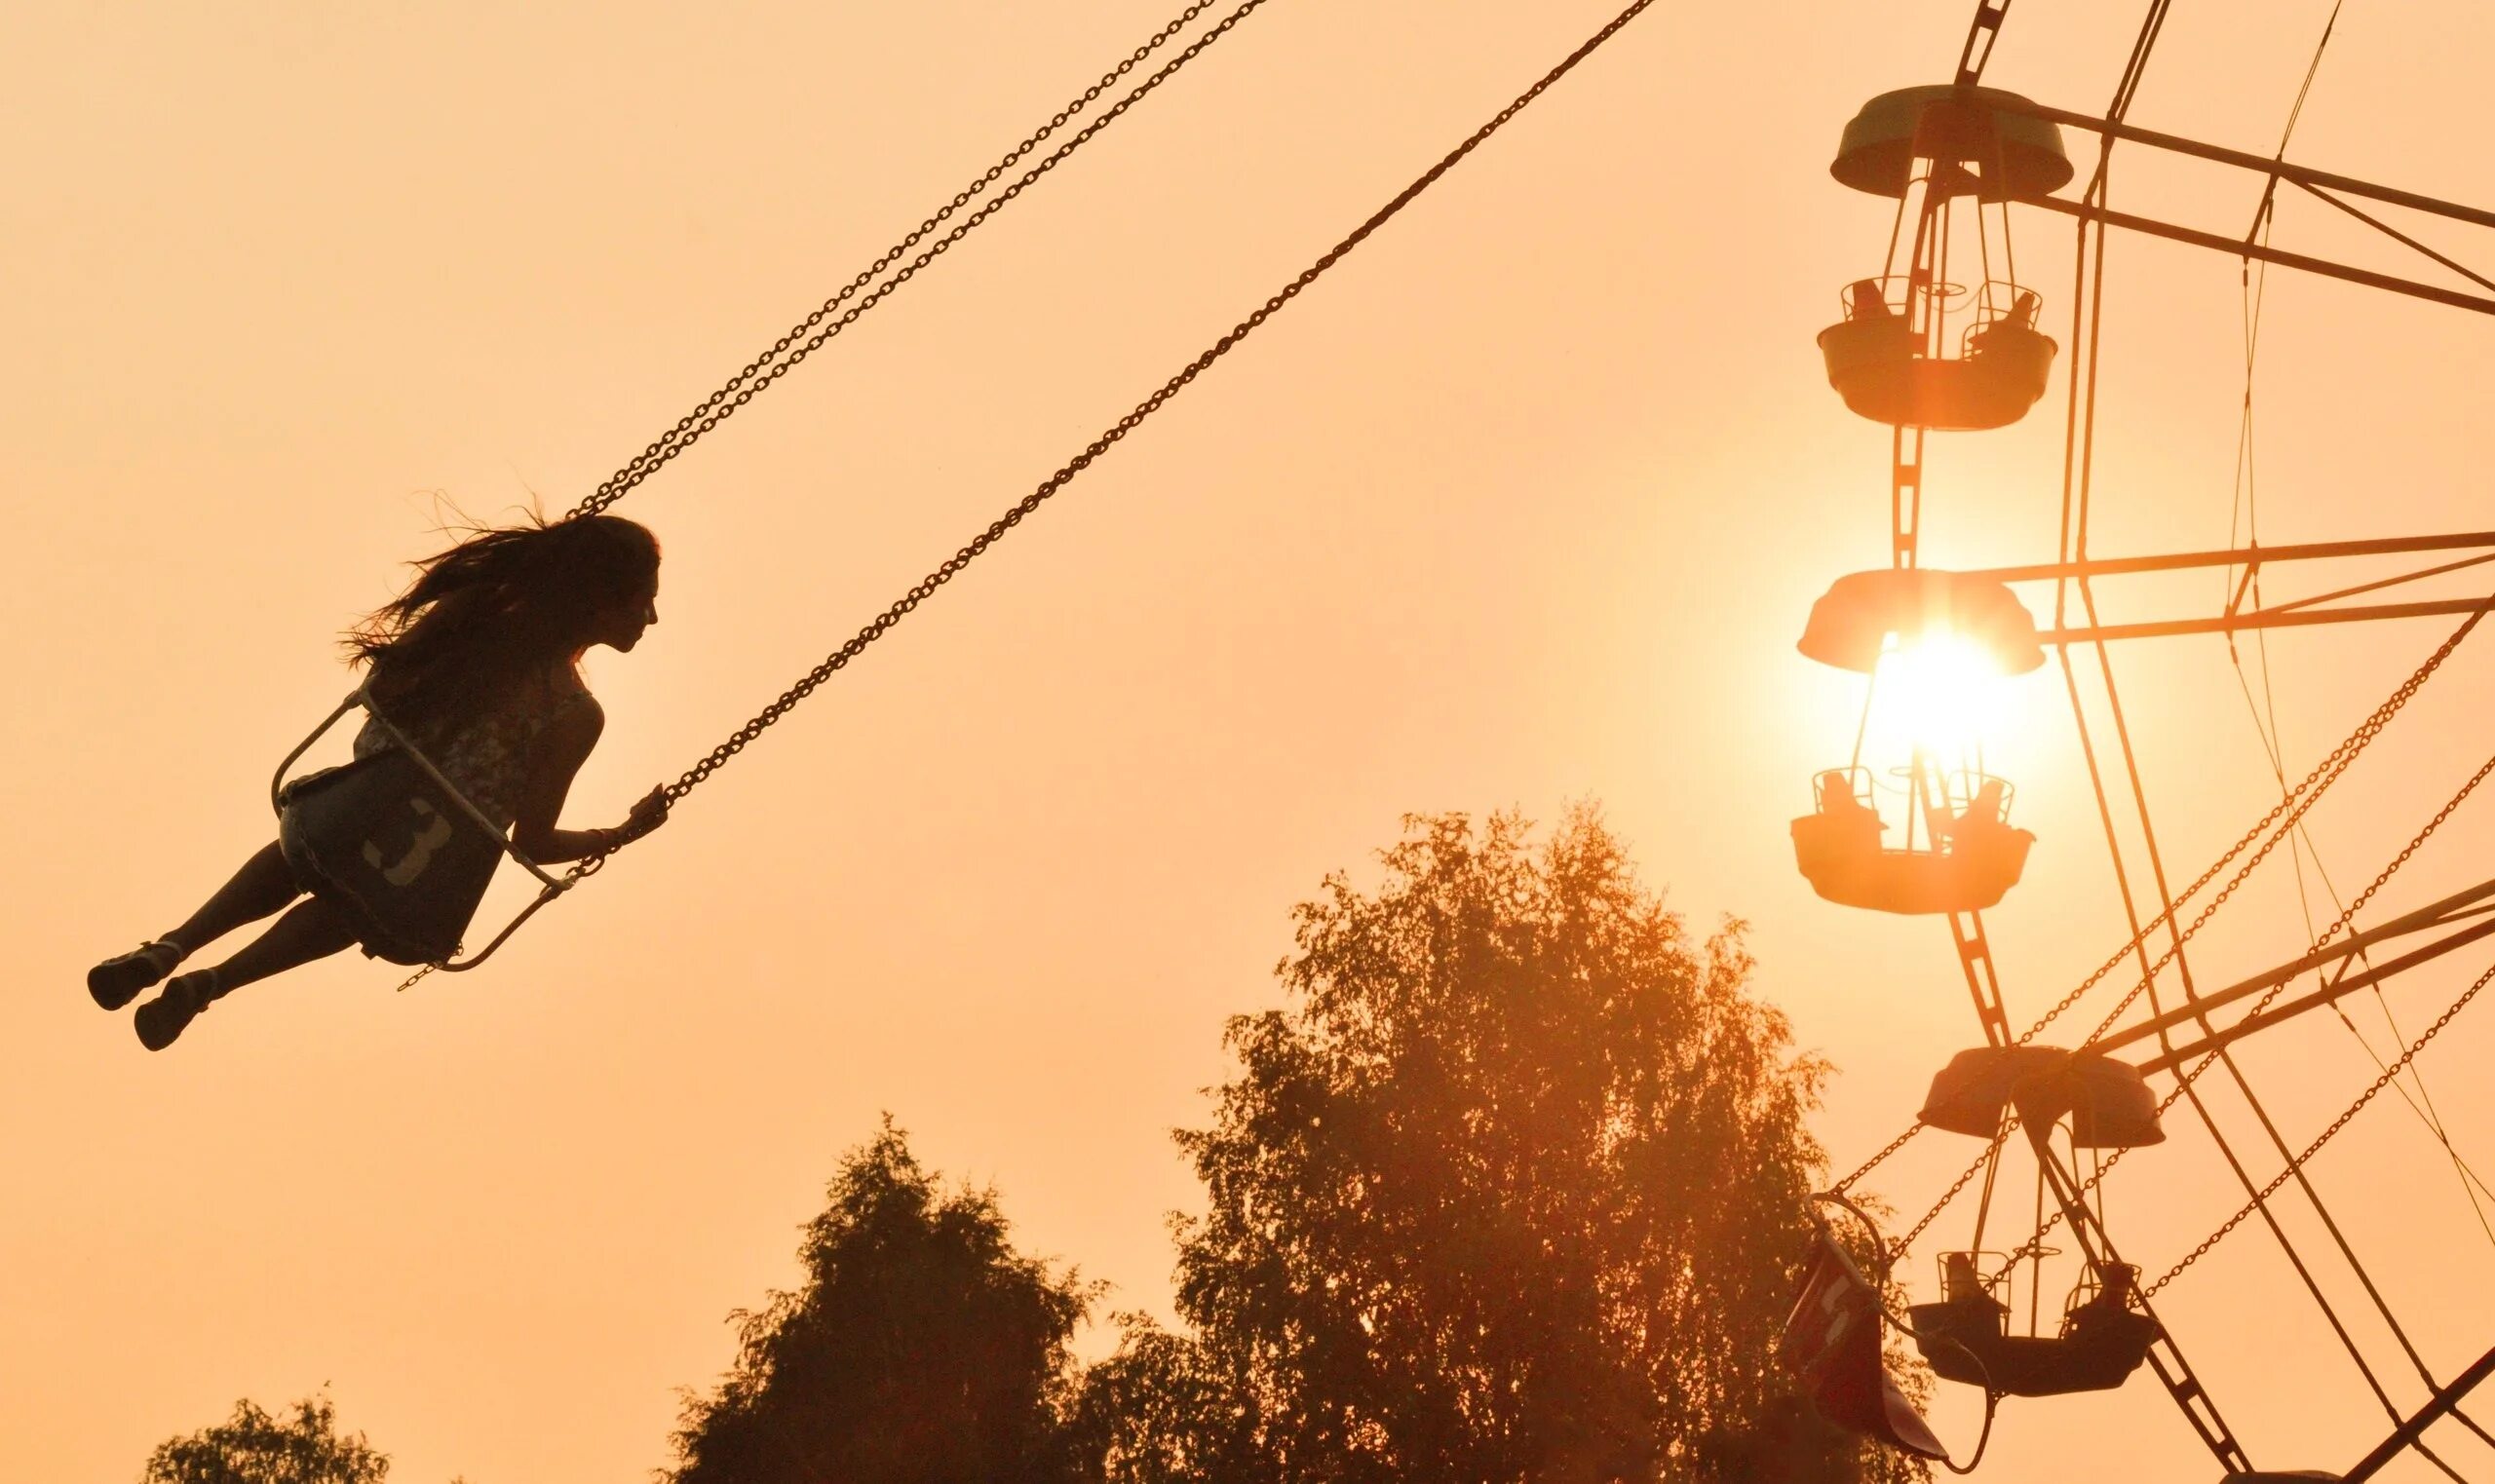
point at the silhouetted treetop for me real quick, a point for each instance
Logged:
(253, 1447)
(921, 1348)
(1514, 1187)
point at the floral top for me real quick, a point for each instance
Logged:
(488, 758)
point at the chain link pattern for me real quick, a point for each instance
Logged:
(2298, 799)
(2324, 1137)
(2312, 786)
(2008, 1127)
(2185, 1078)
(1876, 1161)
(809, 334)
(926, 586)
(2338, 763)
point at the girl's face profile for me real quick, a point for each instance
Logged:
(621, 623)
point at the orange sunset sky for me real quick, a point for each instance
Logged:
(1522, 504)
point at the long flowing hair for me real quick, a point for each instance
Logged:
(499, 606)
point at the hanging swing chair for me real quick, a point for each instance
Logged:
(2101, 1339)
(1970, 857)
(1889, 371)
(1914, 348)
(1966, 1336)
(1865, 616)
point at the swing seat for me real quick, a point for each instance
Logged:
(395, 848)
(2109, 1103)
(2282, 1476)
(382, 842)
(1877, 366)
(2102, 1342)
(1841, 855)
(1832, 1345)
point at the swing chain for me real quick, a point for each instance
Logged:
(2389, 1073)
(1876, 1161)
(2188, 1076)
(2301, 798)
(742, 388)
(1964, 1176)
(927, 585)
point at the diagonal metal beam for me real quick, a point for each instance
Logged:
(2260, 163)
(2169, 1060)
(2237, 247)
(2408, 1433)
(2432, 914)
(2237, 556)
(2265, 617)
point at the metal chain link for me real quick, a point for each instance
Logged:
(1876, 1161)
(2324, 1137)
(2335, 764)
(742, 388)
(2299, 799)
(2186, 1077)
(2364, 736)
(996, 530)
(2009, 1125)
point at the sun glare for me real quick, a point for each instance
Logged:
(1940, 695)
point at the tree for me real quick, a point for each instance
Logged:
(1162, 1411)
(1514, 1189)
(257, 1448)
(922, 1348)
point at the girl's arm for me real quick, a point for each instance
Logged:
(561, 750)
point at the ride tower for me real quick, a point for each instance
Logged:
(1944, 337)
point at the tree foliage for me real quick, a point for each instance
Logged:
(254, 1447)
(1514, 1189)
(1163, 1410)
(922, 1348)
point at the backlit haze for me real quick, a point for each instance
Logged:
(1524, 504)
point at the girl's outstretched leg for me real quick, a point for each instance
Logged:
(262, 886)
(314, 930)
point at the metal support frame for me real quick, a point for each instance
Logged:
(2318, 183)
(2473, 901)
(2097, 1249)
(2266, 617)
(1983, 980)
(2237, 247)
(2247, 556)
(2293, 613)
(2406, 1435)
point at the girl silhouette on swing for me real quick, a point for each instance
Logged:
(477, 665)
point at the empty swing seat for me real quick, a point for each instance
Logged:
(1877, 364)
(2102, 1342)
(1838, 850)
(2108, 1104)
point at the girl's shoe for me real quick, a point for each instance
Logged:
(117, 981)
(161, 1019)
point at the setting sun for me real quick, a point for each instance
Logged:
(1943, 696)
